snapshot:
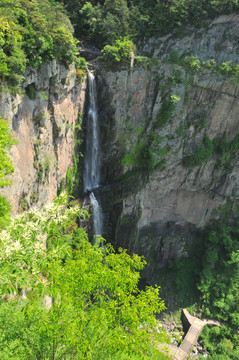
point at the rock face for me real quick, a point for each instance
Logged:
(169, 138)
(43, 119)
(164, 126)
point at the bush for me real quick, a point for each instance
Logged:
(166, 110)
(120, 52)
(141, 156)
(202, 154)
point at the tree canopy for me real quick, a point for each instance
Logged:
(32, 32)
(63, 298)
(105, 21)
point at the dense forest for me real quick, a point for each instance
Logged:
(35, 31)
(32, 32)
(102, 22)
(97, 311)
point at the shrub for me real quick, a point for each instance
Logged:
(120, 52)
(174, 56)
(202, 154)
(167, 108)
(141, 156)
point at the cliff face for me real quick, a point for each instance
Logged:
(43, 119)
(170, 144)
(169, 138)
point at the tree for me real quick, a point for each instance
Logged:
(120, 52)
(32, 32)
(219, 285)
(96, 310)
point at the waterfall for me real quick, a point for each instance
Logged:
(92, 153)
(97, 215)
(92, 156)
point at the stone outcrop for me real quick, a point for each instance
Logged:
(43, 117)
(161, 114)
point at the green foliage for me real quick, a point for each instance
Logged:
(102, 22)
(121, 52)
(30, 33)
(6, 142)
(209, 277)
(219, 286)
(95, 309)
(219, 278)
(46, 162)
(220, 343)
(65, 49)
(193, 64)
(145, 62)
(81, 65)
(174, 57)
(176, 76)
(141, 156)
(6, 168)
(202, 153)
(167, 109)
(72, 176)
(226, 151)
(185, 273)
(5, 209)
(30, 91)
(43, 95)
(72, 179)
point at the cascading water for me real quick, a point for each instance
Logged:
(97, 215)
(92, 156)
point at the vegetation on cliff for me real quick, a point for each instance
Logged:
(6, 142)
(6, 168)
(104, 21)
(32, 32)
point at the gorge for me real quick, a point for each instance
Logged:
(151, 120)
(160, 149)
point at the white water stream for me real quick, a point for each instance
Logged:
(92, 156)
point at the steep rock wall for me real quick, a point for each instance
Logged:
(158, 129)
(43, 118)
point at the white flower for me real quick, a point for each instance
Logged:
(5, 237)
(8, 251)
(17, 246)
(39, 248)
